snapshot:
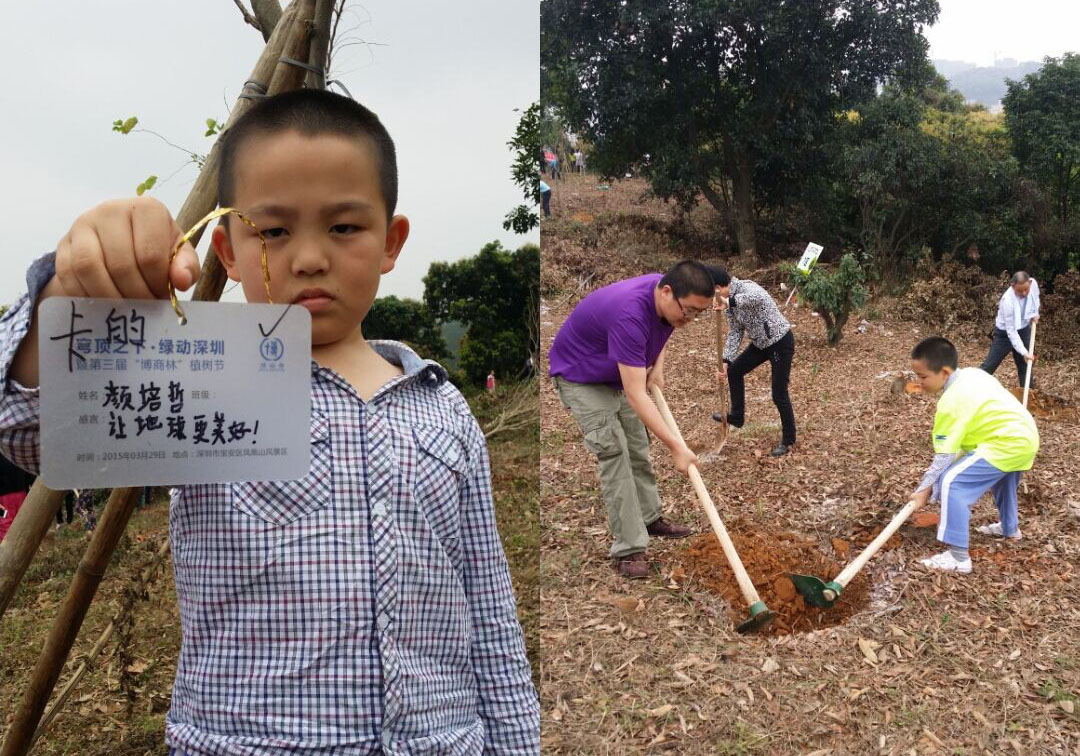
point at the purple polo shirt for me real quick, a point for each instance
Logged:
(617, 323)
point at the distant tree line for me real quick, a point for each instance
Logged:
(800, 121)
(493, 294)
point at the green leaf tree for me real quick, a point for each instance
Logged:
(408, 321)
(833, 295)
(495, 294)
(1042, 113)
(729, 99)
(526, 173)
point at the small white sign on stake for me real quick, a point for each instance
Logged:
(810, 256)
(129, 397)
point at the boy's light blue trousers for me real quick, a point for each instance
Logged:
(962, 483)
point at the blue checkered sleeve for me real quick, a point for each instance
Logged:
(19, 427)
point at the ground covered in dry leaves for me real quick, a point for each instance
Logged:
(907, 662)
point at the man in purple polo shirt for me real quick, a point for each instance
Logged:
(605, 358)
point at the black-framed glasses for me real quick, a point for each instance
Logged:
(691, 313)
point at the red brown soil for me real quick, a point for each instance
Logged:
(1043, 405)
(925, 519)
(865, 533)
(768, 560)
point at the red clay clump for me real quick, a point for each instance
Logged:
(768, 560)
(925, 519)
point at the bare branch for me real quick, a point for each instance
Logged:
(249, 19)
(521, 409)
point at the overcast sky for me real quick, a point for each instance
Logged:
(978, 31)
(443, 76)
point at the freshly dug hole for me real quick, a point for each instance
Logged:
(768, 560)
(1047, 406)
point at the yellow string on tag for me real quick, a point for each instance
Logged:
(186, 237)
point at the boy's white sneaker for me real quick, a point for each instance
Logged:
(996, 530)
(946, 562)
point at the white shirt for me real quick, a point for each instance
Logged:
(1009, 321)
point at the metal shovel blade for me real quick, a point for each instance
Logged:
(814, 590)
(760, 617)
(717, 442)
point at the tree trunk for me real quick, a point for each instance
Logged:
(741, 170)
(836, 331)
(722, 204)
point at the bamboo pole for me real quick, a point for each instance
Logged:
(61, 698)
(320, 44)
(268, 12)
(294, 37)
(204, 194)
(68, 620)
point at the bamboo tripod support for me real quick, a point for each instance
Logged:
(291, 38)
(144, 580)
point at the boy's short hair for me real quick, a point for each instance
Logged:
(689, 277)
(312, 112)
(937, 352)
(720, 276)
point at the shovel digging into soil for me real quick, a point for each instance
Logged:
(821, 594)
(760, 615)
(1031, 365)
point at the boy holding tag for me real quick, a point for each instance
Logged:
(366, 606)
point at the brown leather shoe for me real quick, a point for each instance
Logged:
(664, 529)
(633, 566)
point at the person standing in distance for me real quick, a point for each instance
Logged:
(1018, 308)
(753, 313)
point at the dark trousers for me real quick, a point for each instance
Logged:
(1001, 347)
(545, 200)
(69, 507)
(780, 355)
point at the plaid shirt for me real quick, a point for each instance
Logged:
(365, 608)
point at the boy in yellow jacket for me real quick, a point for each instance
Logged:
(983, 439)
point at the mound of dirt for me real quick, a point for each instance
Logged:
(1047, 406)
(768, 560)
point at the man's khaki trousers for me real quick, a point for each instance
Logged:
(616, 435)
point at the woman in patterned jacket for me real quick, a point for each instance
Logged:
(753, 313)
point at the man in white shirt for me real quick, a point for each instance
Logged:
(1018, 308)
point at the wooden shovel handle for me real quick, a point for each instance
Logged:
(1027, 373)
(719, 339)
(721, 388)
(860, 561)
(745, 585)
